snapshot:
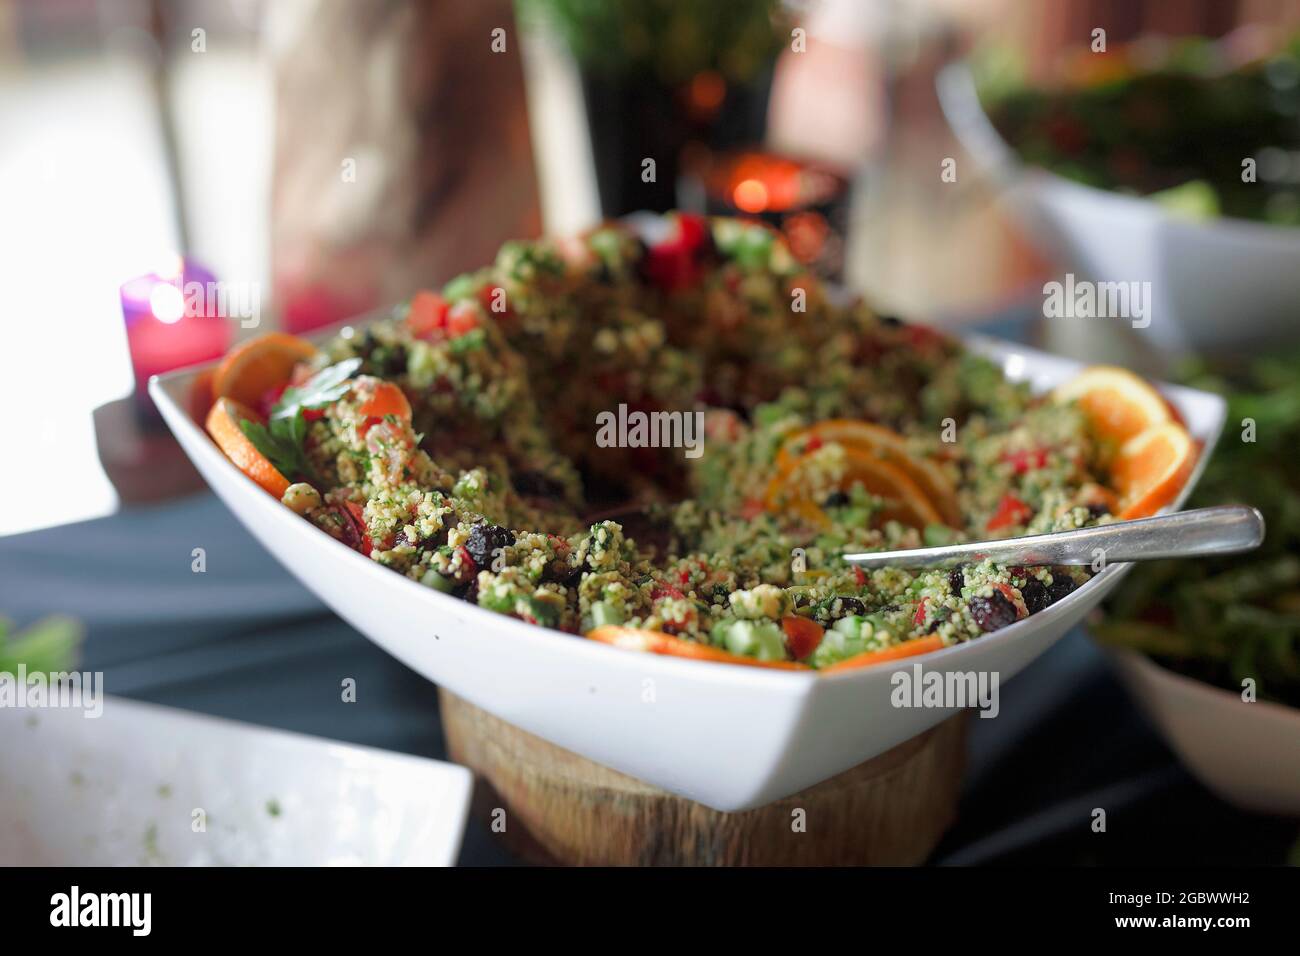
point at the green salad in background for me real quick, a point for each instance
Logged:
(1172, 123)
(1235, 618)
(47, 646)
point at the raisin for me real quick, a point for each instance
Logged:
(1036, 596)
(992, 612)
(836, 499)
(1061, 586)
(484, 539)
(848, 606)
(956, 580)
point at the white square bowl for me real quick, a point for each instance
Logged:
(727, 736)
(1214, 284)
(123, 788)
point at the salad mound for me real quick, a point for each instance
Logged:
(465, 443)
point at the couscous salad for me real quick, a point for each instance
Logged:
(479, 439)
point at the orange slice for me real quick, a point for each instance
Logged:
(201, 395)
(657, 642)
(921, 645)
(1151, 468)
(905, 502)
(887, 445)
(1117, 404)
(259, 365)
(223, 425)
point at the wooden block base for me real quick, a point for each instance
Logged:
(561, 808)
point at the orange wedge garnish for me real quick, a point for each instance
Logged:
(905, 502)
(201, 395)
(259, 365)
(223, 425)
(886, 445)
(1116, 403)
(1151, 468)
(657, 642)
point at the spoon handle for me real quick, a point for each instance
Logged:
(1224, 529)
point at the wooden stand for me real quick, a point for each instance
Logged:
(564, 809)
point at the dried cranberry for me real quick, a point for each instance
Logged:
(993, 612)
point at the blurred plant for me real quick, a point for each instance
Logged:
(1226, 620)
(49, 645)
(671, 40)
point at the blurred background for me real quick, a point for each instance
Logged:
(311, 160)
(325, 157)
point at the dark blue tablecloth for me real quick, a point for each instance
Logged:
(246, 641)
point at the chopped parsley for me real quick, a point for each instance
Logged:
(281, 441)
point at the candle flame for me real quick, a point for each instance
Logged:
(750, 195)
(167, 303)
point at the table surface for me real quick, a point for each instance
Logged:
(246, 641)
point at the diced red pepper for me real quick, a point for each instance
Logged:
(356, 517)
(488, 297)
(427, 315)
(269, 399)
(802, 636)
(860, 575)
(674, 264)
(387, 399)
(467, 560)
(923, 336)
(751, 509)
(813, 443)
(919, 617)
(1011, 511)
(1026, 459)
(462, 318)
(662, 591)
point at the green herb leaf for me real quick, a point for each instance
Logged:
(282, 440)
(280, 450)
(328, 385)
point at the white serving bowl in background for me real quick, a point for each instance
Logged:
(121, 789)
(1246, 753)
(728, 736)
(1221, 283)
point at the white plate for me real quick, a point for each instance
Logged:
(1216, 283)
(1247, 753)
(727, 736)
(123, 790)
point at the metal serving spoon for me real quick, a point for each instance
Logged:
(1225, 529)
